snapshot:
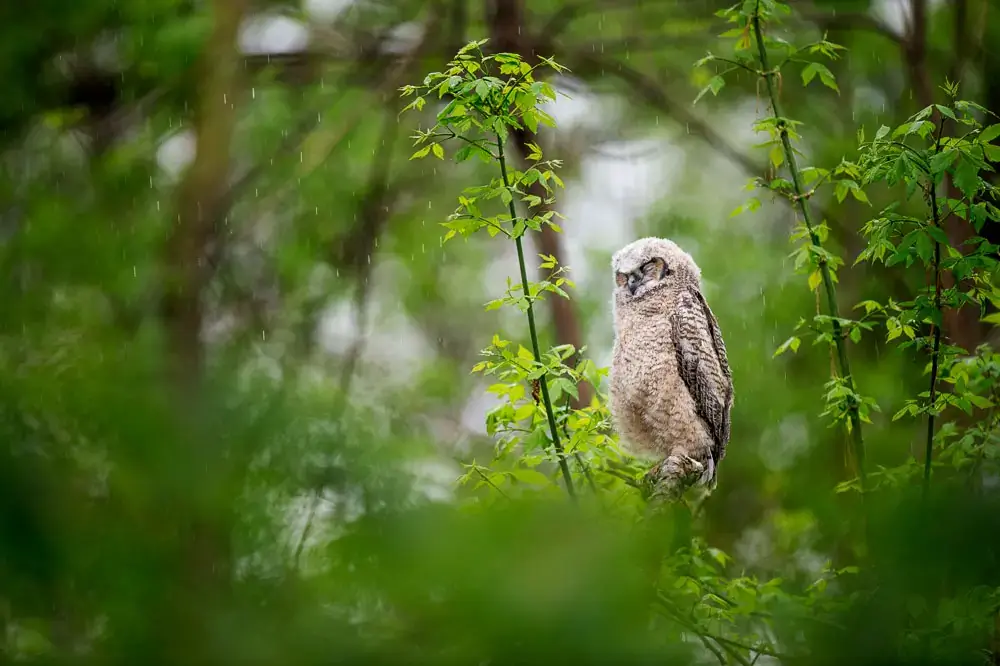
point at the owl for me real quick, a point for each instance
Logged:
(671, 387)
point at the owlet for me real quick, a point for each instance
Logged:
(671, 387)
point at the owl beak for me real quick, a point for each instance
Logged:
(633, 283)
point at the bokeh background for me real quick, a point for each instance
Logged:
(234, 354)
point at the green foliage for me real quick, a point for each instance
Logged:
(918, 156)
(296, 499)
(754, 51)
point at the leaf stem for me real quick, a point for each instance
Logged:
(542, 381)
(831, 293)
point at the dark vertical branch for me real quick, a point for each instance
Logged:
(916, 53)
(936, 352)
(201, 192)
(357, 250)
(961, 40)
(201, 521)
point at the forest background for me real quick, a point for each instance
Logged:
(235, 388)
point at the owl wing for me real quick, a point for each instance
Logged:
(703, 365)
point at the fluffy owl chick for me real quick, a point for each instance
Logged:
(671, 387)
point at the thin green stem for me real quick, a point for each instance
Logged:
(828, 286)
(736, 64)
(491, 484)
(542, 381)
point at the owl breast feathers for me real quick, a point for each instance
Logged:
(671, 386)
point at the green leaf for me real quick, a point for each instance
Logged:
(531, 477)
(777, 155)
(825, 75)
(989, 134)
(966, 176)
(980, 401)
(464, 153)
(753, 203)
(945, 111)
(943, 160)
(421, 153)
(531, 120)
(438, 151)
(791, 343)
(715, 84)
(937, 234)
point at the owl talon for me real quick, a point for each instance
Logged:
(671, 478)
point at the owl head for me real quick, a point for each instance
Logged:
(649, 264)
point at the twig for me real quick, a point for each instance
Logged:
(306, 529)
(491, 484)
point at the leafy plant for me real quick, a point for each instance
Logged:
(918, 155)
(484, 97)
(754, 52)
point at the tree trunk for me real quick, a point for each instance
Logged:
(200, 519)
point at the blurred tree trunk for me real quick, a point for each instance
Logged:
(510, 33)
(201, 517)
(988, 32)
(201, 194)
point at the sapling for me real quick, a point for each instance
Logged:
(917, 155)
(485, 97)
(753, 51)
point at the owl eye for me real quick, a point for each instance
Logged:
(655, 267)
(621, 279)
